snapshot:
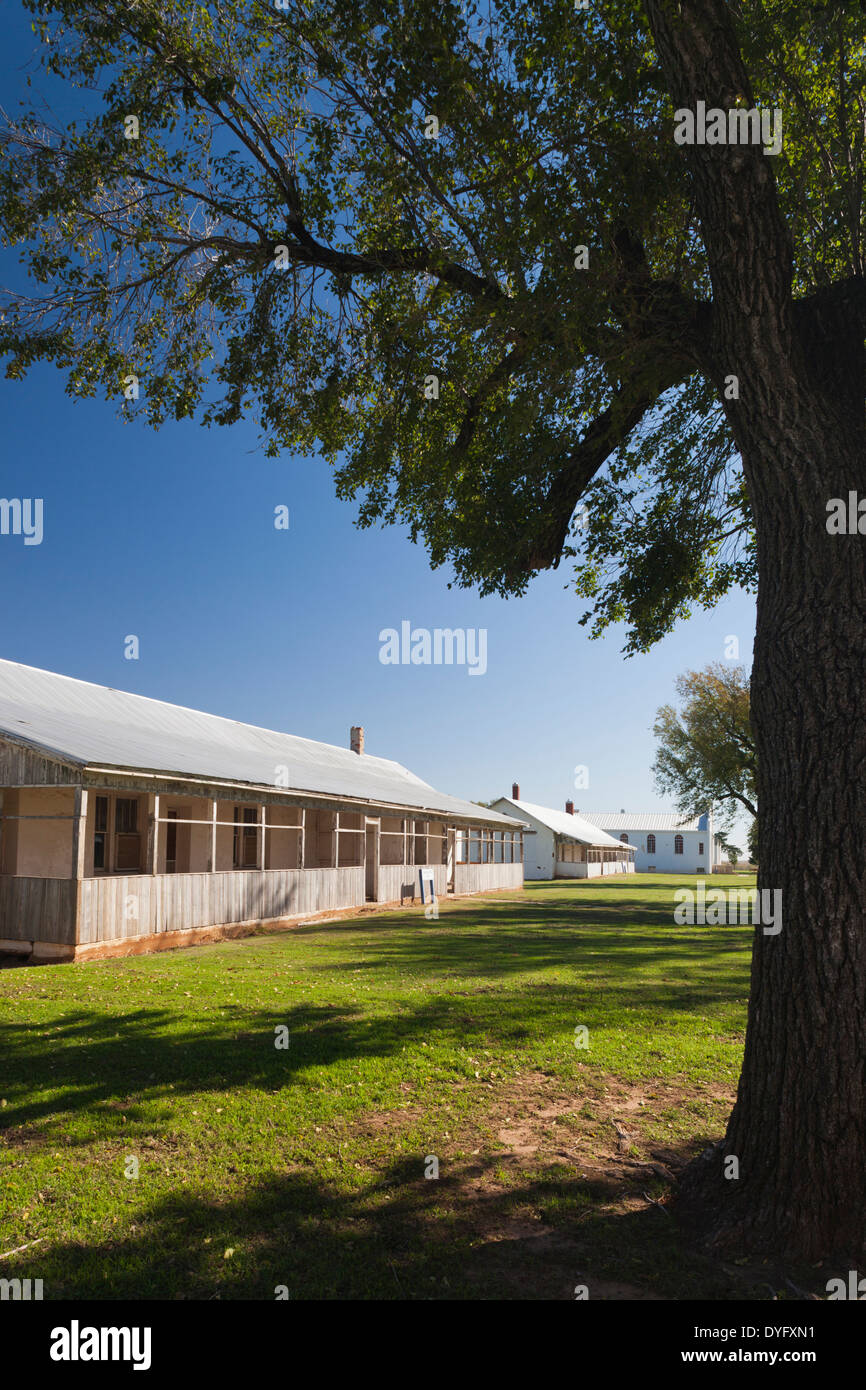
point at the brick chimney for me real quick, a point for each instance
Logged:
(356, 740)
(515, 791)
(569, 806)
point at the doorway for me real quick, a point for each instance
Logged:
(177, 840)
(371, 861)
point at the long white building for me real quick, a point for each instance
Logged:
(561, 844)
(129, 825)
(664, 841)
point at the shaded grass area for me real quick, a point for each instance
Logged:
(262, 1166)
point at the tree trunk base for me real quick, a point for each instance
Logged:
(729, 1221)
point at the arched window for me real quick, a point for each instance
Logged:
(624, 839)
(678, 844)
(650, 844)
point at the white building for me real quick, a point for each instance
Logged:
(560, 844)
(665, 841)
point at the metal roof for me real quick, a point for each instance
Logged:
(563, 823)
(652, 820)
(93, 726)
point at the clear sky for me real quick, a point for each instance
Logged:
(170, 537)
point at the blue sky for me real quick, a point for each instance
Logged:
(170, 536)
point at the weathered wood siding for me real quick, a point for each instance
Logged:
(143, 904)
(481, 878)
(25, 767)
(37, 909)
(399, 881)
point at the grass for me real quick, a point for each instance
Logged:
(303, 1168)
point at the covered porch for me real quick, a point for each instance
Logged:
(575, 860)
(85, 867)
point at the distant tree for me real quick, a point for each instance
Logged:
(706, 752)
(732, 851)
(753, 841)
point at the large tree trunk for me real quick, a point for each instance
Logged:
(798, 1128)
(799, 1125)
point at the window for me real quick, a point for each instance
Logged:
(678, 844)
(127, 850)
(624, 839)
(650, 844)
(244, 845)
(125, 856)
(100, 834)
(700, 846)
(126, 815)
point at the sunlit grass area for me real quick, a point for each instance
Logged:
(410, 1044)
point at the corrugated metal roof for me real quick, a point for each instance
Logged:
(95, 726)
(563, 823)
(643, 820)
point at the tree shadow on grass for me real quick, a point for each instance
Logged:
(501, 939)
(507, 981)
(397, 1235)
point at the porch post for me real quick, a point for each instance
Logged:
(152, 833)
(262, 860)
(213, 831)
(79, 839)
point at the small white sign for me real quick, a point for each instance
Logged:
(428, 892)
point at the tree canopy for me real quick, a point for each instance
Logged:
(318, 209)
(706, 752)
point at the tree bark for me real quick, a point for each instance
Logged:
(798, 1129)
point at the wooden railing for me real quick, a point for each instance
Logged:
(37, 909)
(121, 906)
(483, 878)
(143, 904)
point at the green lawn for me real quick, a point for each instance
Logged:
(304, 1167)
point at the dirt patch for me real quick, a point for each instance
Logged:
(538, 1117)
(534, 1135)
